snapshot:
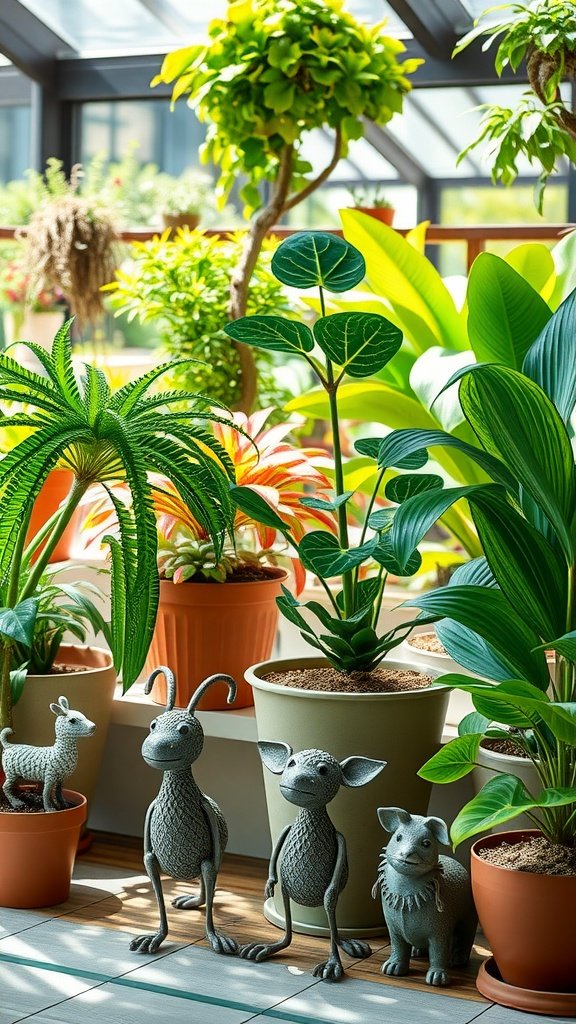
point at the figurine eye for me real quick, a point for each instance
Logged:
(398, 838)
(72, 721)
(426, 843)
(322, 769)
(291, 762)
(153, 724)
(184, 730)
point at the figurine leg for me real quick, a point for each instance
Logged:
(331, 969)
(220, 943)
(262, 950)
(398, 963)
(191, 902)
(150, 943)
(11, 795)
(463, 940)
(439, 960)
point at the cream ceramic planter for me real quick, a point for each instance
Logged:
(404, 729)
(90, 691)
(460, 704)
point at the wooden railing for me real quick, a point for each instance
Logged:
(475, 237)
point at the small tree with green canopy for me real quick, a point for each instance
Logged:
(272, 71)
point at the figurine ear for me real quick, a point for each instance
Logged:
(391, 817)
(56, 709)
(63, 702)
(438, 829)
(274, 755)
(357, 771)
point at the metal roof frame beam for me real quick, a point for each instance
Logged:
(29, 43)
(408, 168)
(436, 27)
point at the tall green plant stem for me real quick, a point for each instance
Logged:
(78, 491)
(5, 688)
(348, 576)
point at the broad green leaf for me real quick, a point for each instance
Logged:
(418, 514)
(454, 760)
(471, 651)
(472, 723)
(17, 680)
(402, 443)
(321, 554)
(564, 256)
(274, 333)
(476, 572)
(516, 422)
(317, 259)
(253, 504)
(516, 552)
(565, 645)
(535, 264)
(17, 624)
(500, 800)
(395, 270)
(385, 555)
(505, 314)
(360, 343)
(550, 360)
(488, 613)
(400, 488)
(430, 374)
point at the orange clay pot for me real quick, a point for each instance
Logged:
(55, 489)
(37, 854)
(528, 920)
(181, 220)
(383, 213)
(203, 628)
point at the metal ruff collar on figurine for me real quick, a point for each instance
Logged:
(48, 765)
(185, 833)
(313, 866)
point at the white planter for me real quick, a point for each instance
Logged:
(39, 328)
(460, 703)
(491, 761)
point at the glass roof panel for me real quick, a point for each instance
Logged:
(100, 27)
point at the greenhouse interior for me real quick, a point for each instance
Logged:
(288, 527)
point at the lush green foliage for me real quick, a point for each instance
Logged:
(182, 282)
(74, 420)
(501, 614)
(338, 346)
(274, 69)
(539, 128)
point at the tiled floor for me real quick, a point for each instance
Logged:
(73, 965)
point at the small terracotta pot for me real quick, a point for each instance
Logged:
(528, 920)
(203, 628)
(55, 490)
(37, 854)
(181, 220)
(382, 213)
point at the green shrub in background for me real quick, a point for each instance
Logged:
(182, 282)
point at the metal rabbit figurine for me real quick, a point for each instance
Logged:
(185, 832)
(426, 897)
(313, 868)
(48, 765)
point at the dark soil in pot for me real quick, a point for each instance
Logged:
(536, 854)
(507, 747)
(381, 680)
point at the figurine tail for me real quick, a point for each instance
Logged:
(4, 736)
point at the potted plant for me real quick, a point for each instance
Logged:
(182, 201)
(217, 608)
(103, 437)
(181, 282)
(266, 77)
(374, 203)
(542, 127)
(345, 697)
(525, 519)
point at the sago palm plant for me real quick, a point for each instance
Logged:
(104, 437)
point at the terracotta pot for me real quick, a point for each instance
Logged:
(55, 490)
(180, 220)
(528, 920)
(91, 692)
(382, 213)
(37, 854)
(402, 728)
(204, 628)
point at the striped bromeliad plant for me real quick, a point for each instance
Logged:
(71, 418)
(502, 612)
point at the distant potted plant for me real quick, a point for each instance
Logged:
(374, 203)
(267, 77)
(183, 200)
(181, 282)
(542, 126)
(525, 520)
(321, 702)
(103, 437)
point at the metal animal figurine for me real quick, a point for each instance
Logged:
(426, 897)
(185, 833)
(48, 765)
(313, 867)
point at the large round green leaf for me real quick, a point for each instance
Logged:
(360, 343)
(500, 800)
(316, 259)
(321, 553)
(400, 488)
(453, 761)
(271, 332)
